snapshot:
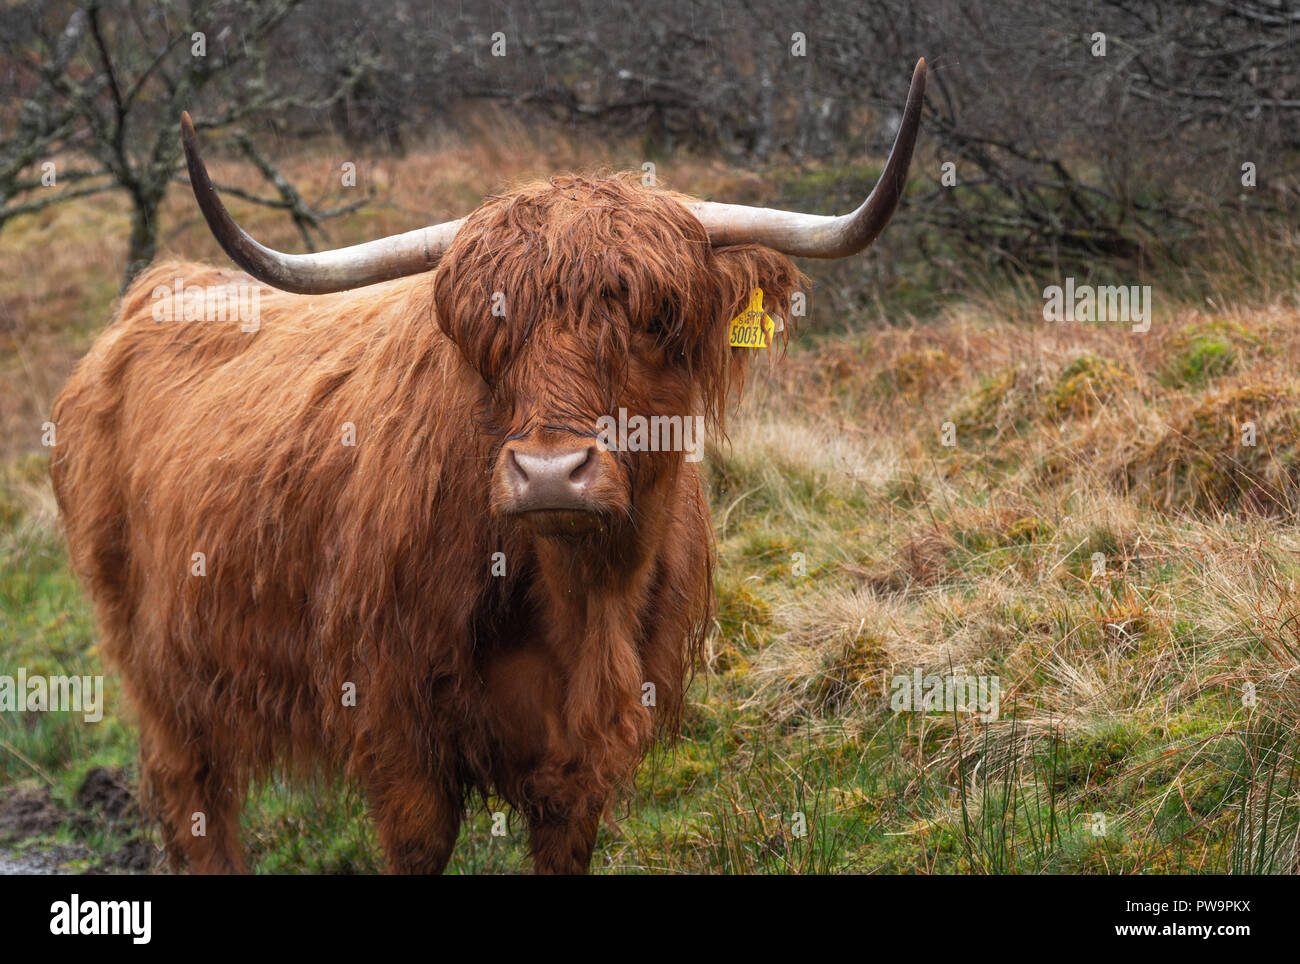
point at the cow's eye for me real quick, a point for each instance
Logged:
(663, 323)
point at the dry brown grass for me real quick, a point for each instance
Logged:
(1071, 440)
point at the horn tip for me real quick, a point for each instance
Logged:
(188, 137)
(916, 89)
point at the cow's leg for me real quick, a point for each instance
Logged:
(417, 820)
(537, 770)
(563, 845)
(568, 728)
(569, 792)
(194, 800)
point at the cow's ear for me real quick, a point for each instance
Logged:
(742, 270)
(738, 272)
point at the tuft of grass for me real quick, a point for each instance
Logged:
(1086, 385)
(1238, 447)
(918, 372)
(1209, 348)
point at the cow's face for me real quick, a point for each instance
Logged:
(581, 300)
(597, 314)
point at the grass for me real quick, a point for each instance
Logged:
(1099, 538)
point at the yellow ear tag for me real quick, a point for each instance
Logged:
(752, 328)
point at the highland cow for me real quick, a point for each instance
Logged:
(376, 533)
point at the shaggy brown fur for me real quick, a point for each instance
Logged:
(333, 567)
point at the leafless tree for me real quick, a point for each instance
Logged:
(105, 83)
(1062, 151)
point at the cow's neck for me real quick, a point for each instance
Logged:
(597, 599)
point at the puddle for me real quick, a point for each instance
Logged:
(33, 862)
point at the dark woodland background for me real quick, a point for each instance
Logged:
(1065, 156)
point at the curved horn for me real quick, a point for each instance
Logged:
(815, 235)
(313, 274)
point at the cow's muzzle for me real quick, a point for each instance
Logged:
(554, 481)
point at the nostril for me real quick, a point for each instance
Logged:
(514, 469)
(586, 468)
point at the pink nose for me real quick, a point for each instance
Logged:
(551, 478)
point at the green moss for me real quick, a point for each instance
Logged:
(1206, 350)
(741, 614)
(1085, 385)
(1093, 758)
(1204, 359)
(1025, 530)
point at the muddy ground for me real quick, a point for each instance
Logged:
(40, 835)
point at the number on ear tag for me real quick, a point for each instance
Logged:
(752, 328)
